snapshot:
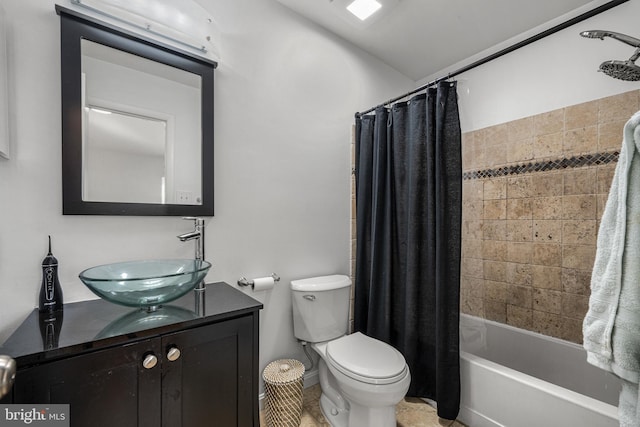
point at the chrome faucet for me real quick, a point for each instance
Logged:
(198, 235)
(7, 374)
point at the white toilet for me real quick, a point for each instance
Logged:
(362, 379)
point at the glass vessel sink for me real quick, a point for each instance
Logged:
(147, 283)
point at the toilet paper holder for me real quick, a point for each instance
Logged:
(243, 281)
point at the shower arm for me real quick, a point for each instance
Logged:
(600, 34)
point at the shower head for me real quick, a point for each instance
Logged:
(623, 70)
(600, 34)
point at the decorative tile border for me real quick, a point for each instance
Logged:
(549, 165)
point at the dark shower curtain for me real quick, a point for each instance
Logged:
(408, 204)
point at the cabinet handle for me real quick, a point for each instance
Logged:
(173, 354)
(149, 361)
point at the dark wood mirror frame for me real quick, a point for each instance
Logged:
(73, 28)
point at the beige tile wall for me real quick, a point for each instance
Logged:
(529, 239)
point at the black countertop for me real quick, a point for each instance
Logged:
(97, 324)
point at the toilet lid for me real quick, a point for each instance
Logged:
(366, 359)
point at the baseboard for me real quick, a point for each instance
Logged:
(311, 378)
(430, 402)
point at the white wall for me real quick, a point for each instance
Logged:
(555, 72)
(285, 96)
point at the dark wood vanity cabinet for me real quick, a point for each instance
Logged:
(197, 376)
(211, 382)
(103, 388)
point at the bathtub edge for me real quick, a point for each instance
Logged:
(482, 420)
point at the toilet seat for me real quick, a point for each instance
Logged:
(366, 359)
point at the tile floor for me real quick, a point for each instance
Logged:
(411, 412)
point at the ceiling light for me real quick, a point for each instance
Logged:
(353, 11)
(364, 8)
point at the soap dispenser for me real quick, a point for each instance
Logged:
(50, 292)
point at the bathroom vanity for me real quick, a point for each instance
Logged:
(119, 366)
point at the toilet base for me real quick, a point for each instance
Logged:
(335, 416)
(367, 416)
(357, 415)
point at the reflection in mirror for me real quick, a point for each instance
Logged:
(124, 157)
(134, 111)
(137, 123)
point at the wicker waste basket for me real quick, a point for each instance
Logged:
(283, 380)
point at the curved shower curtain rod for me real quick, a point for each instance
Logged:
(515, 46)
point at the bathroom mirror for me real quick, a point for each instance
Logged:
(137, 123)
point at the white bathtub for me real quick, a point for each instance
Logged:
(515, 378)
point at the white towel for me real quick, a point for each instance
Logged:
(611, 328)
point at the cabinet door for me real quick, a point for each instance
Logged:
(107, 388)
(211, 383)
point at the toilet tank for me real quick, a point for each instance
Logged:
(321, 307)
